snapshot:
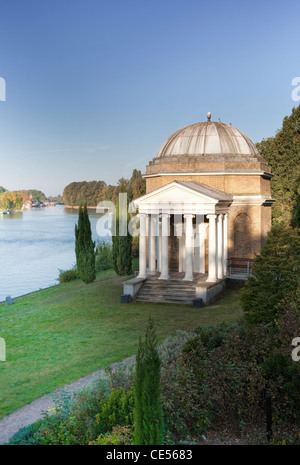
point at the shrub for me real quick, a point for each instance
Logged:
(148, 418)
(68, 275)
(275, 274)
(104, 258)
(115, 410)
(120, 435)
(173, 345)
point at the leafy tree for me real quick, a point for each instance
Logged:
(137, 185)
(2, 189)
(283, 154)
(148, 417)
(83, 192)
(10, 200)
(275, 274)
(84, 247)
(122, 244)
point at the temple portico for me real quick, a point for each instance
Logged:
(199, 228)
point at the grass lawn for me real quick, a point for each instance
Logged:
(57, 335)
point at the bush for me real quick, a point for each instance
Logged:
(220, 378)
(115, 410)
(173, 345)
(119, 436)
(275, 274)
(68, 275)
(104, 258)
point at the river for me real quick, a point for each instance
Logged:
(35, 245)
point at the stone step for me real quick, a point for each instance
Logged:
(190, 295)
(165, 300)
(166, 284)
(158, 289)
(170, 291)
(167, 295)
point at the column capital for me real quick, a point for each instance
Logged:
(188, 215)
(212, 216)
(165, 215)
(142, 215)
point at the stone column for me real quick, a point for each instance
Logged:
(165, 246)
(189, 247)
(152, 241)
(143, 246)
(225, 244)
(212, 249)
(202, 237)
(220, 248)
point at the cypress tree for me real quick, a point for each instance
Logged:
(148, 417)
(122, 244)
(85, 247)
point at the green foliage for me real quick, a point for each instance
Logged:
(36, 195)
(104, 257)
(219, 380)
(173, 345)
(65, 276)
(95, 191)
(119, 436)
(95, 416)
(10, 200)
(275, 274)
(116, 409)
(148, 417)
(84, 247)
(2, 189)
(122, 244)
(82, 192)
(283, 153)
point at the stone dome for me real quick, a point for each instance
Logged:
(207, 138)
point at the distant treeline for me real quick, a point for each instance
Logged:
(93, 192)
(15, 199)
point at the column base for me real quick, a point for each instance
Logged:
(188, 278)
(211, 280)
(166, 276)
(142, 276)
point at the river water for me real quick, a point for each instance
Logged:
(35, 245)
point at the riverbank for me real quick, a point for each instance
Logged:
(60, 334)
(77, 207)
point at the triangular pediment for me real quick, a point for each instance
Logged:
(178, 193)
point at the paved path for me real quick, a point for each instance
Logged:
(30, 413)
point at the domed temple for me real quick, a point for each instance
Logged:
(205, 214)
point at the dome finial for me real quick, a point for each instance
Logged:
(208, 116)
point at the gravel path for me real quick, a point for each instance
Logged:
(30, 413)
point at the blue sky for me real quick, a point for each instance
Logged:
(94, 87)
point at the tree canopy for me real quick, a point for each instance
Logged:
(11, 200)
(93, 192)
(283, 154)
